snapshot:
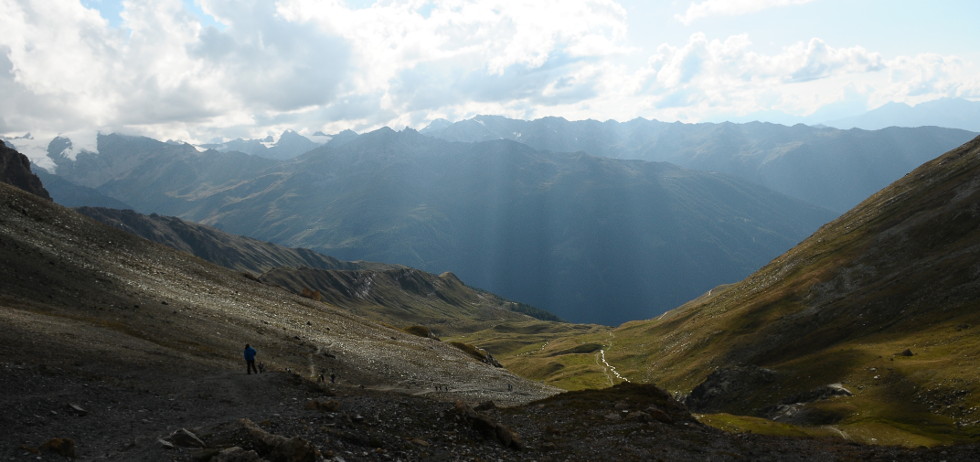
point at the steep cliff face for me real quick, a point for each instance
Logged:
(15, 168)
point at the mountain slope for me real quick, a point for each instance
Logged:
(115, 287)
(828, 167)
(234, 252)
(392, 294)
(883, 300)
(70, 194)
(290, 144)
(588, 238)
(406, 297)
(151, 175)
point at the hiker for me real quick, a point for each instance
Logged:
(250, 359)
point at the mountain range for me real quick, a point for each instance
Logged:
(568, 232)
(958, 113)
(289, 144)
(948, 112)
(588, 238)
(825, 166)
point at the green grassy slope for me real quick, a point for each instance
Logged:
(900, 271)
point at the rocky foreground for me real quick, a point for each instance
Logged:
(50, 414)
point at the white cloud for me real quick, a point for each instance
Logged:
(928, 76)
(816, 60)
(731, 77)
(252, 68)
(424, 55)
(708, 8)
(161, 72)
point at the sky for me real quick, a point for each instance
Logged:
(210, 70)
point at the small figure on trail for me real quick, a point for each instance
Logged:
(510, 386)
(333, 378)
(250, 359)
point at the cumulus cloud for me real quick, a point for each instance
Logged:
(726, 74)
(707, 8)
(424, 55)
(250, 68)
(160, 67)
(816, 60)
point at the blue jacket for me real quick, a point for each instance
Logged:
(250, 354)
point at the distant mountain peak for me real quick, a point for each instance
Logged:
(945, 112)
(288, 145)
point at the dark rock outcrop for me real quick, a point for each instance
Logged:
(279, 448)
(15, 168)
(486, 427)
(728, 385)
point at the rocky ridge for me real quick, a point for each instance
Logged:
(15, 169)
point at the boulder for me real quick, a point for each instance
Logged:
(485, 406)
(725, 389)
(486, 427)
(659, 415)
(76, 409)
(279, 448)
(186, 439)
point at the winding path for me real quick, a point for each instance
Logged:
(610, 367)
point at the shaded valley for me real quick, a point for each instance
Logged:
(591, 239)
(866, 329)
